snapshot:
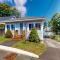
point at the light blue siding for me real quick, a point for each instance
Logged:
(26, 28)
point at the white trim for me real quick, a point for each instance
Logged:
(27, 33)
(5, 28)
(21, 20)
(42, 30)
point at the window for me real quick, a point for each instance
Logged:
(12, 27)
(31, 26)
(8, 27)
(38, 26)
(21, 26)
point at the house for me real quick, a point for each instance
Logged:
(48, 32)
(20, 24)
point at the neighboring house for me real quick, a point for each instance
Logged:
(20, 24)
(48, 32)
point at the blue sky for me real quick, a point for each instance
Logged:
(43, 8)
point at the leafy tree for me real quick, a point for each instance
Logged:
(15, 12)
(6, 10)
(34, 36)
(55, 23)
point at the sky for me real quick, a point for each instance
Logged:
(44, 8)
(39, 8)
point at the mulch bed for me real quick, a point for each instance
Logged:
(11, 56)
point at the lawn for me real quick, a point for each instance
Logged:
(3, 39)
(57, 38)
(37, 48)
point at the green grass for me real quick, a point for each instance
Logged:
(57, 38)
(3, 39)
(37, 48)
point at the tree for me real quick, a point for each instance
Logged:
(34, 36)
(55, 23)
(6, 10)
(15, 12)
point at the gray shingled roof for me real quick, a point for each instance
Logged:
(13, 19)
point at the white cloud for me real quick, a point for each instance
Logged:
(23, 11)
(20, 6)
(1, 1)
(20, 2)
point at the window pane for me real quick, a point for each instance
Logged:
(12, 27)
(21, 26)
(8, 27)
(31, 26)
(37, 25)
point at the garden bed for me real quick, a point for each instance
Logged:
(37, 48)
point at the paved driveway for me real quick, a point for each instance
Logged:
(53, 50)
(52, 43)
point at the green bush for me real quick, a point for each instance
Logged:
(8, 34)
(2, 26)
(52, 36)
(34, 36)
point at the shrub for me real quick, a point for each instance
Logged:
(8, 34)
(52, 36)
(34, 36)
(2, 26)
(23, 35)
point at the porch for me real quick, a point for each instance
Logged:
(25, 26)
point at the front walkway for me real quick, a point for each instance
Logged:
(53, 50)
(9, 43)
